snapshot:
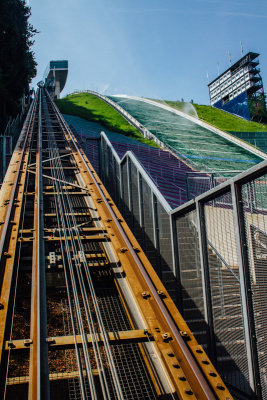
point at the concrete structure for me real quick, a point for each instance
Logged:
(55, 77)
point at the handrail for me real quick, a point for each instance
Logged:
(141, 170)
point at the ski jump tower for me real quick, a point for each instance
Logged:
(55, 77)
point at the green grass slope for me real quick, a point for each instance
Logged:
(227, 122)
(220, 119)
(91, 108)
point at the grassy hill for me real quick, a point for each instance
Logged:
(222, 120)
(227, 122)
(91, 108)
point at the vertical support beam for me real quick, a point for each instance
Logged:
(245, 289)
(114, 178)
(103, 161)
(156, 233)
(107, 163)
(140, 200)
(130, 193)
(4, 156)
(38, 374)
(100, 150)
(175, 261)
(155, 220)
(129, 184)
(121, 183)
(204, 262)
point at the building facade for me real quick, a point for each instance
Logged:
(239, 89)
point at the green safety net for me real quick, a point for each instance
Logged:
(203, 149)
(257, 139)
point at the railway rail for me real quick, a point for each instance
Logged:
(83, 315)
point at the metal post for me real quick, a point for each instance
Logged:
(121, 183)
(129, 184)
(155, 221)
(4, 156)
(156, 232)
(130, 196)
(175, 262)
(140, 200)
(114, 172)
(39, 374)
(204, 262)
(101, 161)
(245, 289)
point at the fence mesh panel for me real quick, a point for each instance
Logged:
(225, 292)
(135, 204)
(148, 228)
(165, 253)
(197, 184)
(191, 276)
(255, 215)
(125, 191)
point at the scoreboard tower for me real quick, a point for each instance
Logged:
(239, 89)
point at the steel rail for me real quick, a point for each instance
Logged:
(78, 357)
(196, 371)
(78, 267)
(99, 318)
(17, 275)
(76, 300)
(27, 127)
(86, 304)
(60, 213)
(39, 376)
(75, 291)
(9, 266)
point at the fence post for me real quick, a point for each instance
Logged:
(121, 184)
(101, 161)
(156, 231)
(175, 261)
(4, 156)
(129, 183)
(245, 288)
(140, 200)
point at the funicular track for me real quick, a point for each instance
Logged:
(83, 314)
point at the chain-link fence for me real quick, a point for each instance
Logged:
(211, 254)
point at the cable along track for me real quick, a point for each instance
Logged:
(87, 316)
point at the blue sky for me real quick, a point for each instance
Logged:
(151, 48)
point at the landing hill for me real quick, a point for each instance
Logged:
(91, 108)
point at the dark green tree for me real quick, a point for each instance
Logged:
(17, 63)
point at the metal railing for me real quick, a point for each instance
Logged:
(211, 254)
(8, 140)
